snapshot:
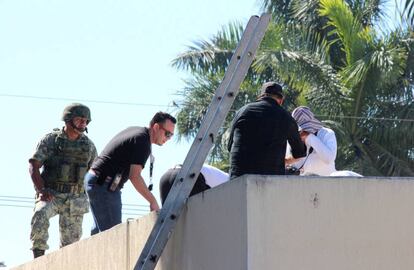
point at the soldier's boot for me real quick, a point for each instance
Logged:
(38, 252)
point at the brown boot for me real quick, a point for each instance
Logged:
(38, 253)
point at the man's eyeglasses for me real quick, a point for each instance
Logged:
(168, 133)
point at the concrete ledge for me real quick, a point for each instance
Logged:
(325, 223)
(268, 222)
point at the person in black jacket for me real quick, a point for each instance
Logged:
(259, 134)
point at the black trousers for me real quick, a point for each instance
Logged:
(167, 180)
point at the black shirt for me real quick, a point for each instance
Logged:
(130, 146)
(258, 138)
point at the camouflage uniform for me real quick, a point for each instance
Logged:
(65, 163)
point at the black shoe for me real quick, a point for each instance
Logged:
(38, 253)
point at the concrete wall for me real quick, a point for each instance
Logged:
(258, 222)
(322, 223)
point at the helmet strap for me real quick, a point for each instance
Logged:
(78, 129)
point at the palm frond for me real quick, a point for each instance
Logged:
(408, 10)
(306, 13)
(386, 161)
(346, 27)
(279, 8)
(318, 81)
(213, 55)
(369, 12)
(329, 56)
(197, 94)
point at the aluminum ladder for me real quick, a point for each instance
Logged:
(203, 142)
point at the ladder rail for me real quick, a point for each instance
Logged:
(210, 114)
(204, 140)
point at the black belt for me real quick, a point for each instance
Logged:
(101, 180)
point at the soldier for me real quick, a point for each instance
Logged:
(65, 155)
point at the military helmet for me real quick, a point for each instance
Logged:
(76, 110)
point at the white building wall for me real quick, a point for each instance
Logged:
(262, 222)
(324, 223)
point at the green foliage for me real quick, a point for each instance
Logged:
(341, 58)
(211, 56)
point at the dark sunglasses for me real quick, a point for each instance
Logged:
(168, 133)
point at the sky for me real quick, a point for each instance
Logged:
(113, 56)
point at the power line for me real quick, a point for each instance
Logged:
(139, 212)
(16, 197)
(87, 100)
(174, 105)
(20, 199)
(132, 214)
(134, 209)
(15, 200)
(11, 205)
(367, 118)
(129, 204)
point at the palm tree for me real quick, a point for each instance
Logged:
(407, 12)
(331, 56)
(207, 62)
(368, 82)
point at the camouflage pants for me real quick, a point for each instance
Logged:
(70, 208)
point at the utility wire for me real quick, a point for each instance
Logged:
(175, 105)
(140, 213)
(10, 205)
(367, 118)
(15, 200)
(20, 199)
(134, 214)
(88, 100)
(17, 197)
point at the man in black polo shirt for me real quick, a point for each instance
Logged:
(124, 158)
(259, 134)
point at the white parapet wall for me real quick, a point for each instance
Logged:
(268, 222)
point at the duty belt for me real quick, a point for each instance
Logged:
(66, 187)
(113, 181)
(101, 180)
